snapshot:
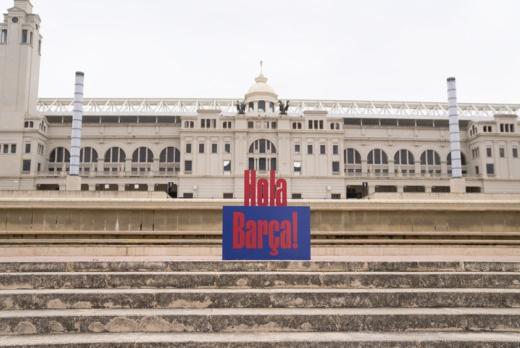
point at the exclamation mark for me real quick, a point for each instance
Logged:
(295, 229)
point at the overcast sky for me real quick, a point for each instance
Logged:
(319, 49)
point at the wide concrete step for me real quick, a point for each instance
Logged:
(42, 322)
(272, 340)
(257, 298)
(209, 266)
(185, 280)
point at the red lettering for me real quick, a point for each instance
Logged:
(251, 234)
(238, 230)
(281, 193)
(263, 192)
(263, 229)
(285, 236)
(249, 188)
(272, 188)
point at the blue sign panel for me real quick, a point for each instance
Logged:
(266, 233)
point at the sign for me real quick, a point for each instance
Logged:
(265, 228)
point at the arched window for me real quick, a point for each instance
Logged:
(88, 158)
(262, 155)
(404, 163)
(377, 161)
(142, 160)
(430, 163)
(115, 159)
(59, 160)
(462, 162)
(169, 160)
(352, 159)
(261, 106)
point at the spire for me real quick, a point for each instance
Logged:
(261, 78)
(24, 5)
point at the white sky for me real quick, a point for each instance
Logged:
(322, 49)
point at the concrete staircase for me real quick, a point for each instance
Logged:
(215, 304)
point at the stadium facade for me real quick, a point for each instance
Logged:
(199, 148)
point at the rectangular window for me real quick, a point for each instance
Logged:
(188, 195)
(187, 166)
(27, 148)
(310, 124)
(321, 124)
(309, 149)
(512, 128)
(3, 36)
(31, 38)
(296, 196)
(502, 152)
(250, 125)
(515, 152)
(274, 125)
(262, 164)
(297, 167)
(273, 163)
(490, 169)
(335, 149)
(227, 166)
(335, 167)
(477, 170)
(13, 148)
(6, 148)
(322, 149)
(227, 148)
(201, 148)
(39, 167)
(25, 36)
(26, 166)
(214, 148)
(40, 47)
(335, 195)
(501, 128)
(297, 148)
(188, 148)
(227, 195)
(489, 152)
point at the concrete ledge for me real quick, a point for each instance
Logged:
(430, 339)
(216, 251)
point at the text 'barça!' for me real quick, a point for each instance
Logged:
(265, 228)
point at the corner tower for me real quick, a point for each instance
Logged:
(20, 50)
(22, 128)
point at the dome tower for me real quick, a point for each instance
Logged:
(261, 97)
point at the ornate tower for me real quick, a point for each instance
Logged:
(20, 49)
(22, 128)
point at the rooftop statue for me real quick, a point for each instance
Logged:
(241, 107)
(283, 108)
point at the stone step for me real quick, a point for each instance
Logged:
(272, 340)
(43, 322)
(209, 266)
(185, 280)
(257, 298)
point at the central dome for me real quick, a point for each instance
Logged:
(261, 88)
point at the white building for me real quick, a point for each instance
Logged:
(325, 149)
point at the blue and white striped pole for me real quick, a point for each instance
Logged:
(456, 166)
(77, 121)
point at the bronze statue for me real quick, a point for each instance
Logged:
(241, 107)
(283, 108)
